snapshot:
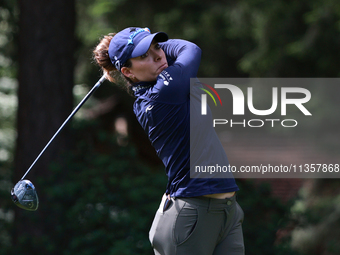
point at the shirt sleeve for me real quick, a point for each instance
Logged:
(173, 84)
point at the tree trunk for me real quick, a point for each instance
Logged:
(46, 66)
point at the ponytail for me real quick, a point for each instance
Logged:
(101, 57)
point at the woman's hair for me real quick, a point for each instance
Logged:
(101, 57)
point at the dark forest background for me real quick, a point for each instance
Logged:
(100, 181)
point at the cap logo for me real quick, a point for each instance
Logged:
(140, 30)
(117, 63)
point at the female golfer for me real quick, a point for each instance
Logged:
(197, 216)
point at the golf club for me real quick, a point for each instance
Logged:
(24, 193)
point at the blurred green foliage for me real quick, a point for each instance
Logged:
(8, 32)
(8, 83)
(317, 217)
(8, 107)
(265, 215)
(245, 38)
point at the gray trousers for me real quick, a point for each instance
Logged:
(198, 226)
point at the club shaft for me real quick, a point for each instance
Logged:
(94, 88)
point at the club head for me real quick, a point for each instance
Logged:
(25, 196)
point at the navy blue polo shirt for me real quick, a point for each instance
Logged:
(163, 110)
